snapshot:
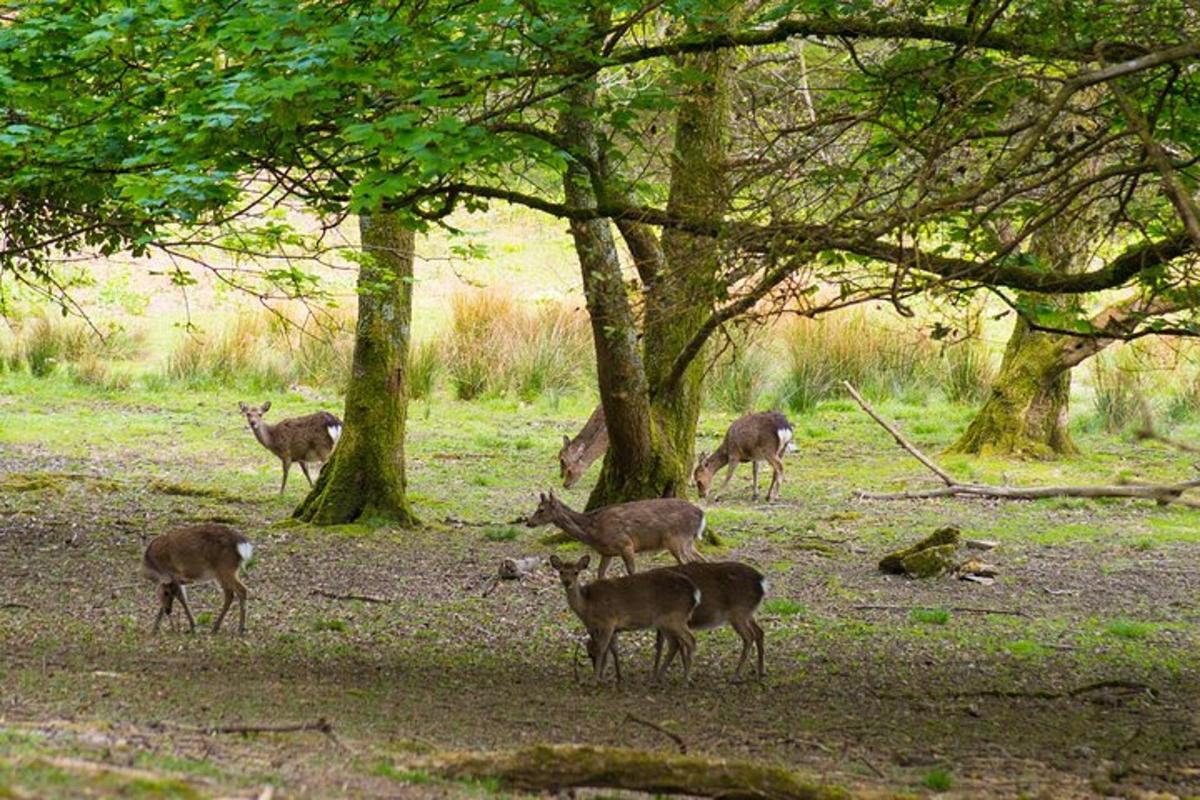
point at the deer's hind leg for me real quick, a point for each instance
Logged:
(287, 466)
(181, 593)
(776, 477)
(304, 469)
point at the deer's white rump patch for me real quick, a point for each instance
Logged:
(785, 438)
(335, 432)
(700, 530)
(245, 550)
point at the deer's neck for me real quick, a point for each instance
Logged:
(576, 601)
(718, 459)
(264, 435)
(575, 524)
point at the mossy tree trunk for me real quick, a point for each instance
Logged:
(365, 476)
(651, 423)
(1026, 412)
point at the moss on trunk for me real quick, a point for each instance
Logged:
(365, 476)
(1026, 412)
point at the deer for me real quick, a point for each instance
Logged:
(302, 440)
(623, 529)
(730, 593)
(763, 436)
(656, 599)
(197, 554)
(578, 454)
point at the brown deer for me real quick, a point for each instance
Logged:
(623, 529)
(763, 436)
(303, 440)
(657, 599)
(578, 454)
(730, 593)
(197, 554)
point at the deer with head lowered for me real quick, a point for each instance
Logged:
(195, 554)
(578, 454)
(623, 529)
(302, 440)
(763, 436)
(657, 599)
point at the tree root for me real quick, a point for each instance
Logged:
(1160, 493)
(553, 768)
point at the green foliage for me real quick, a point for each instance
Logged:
(424, 367)
(1119, 401)
(967, 372)
(783, 607)
(1130, 629)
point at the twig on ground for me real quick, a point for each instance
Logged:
(863, 760)
(959, 609)
(675, 737)
(1131, 687)
(17, 605)
(1160, 493)
(491, 587)
(1150, 433)
(366, 598)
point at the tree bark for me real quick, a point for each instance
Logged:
(678, 274)
(365, 476)
(1026, 412)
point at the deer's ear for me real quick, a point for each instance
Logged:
(583, 562)
(555, 562)
(266, 406)
(542, 497)
(566, 440)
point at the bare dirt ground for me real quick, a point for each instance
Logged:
(1085, 684)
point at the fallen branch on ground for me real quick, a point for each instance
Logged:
(1130, 687)
(958, 609)
(675, 737)
(16, 605)
(319, 725)
(1160, 493)
(1150, 433)
(366, 598)
(553, 768)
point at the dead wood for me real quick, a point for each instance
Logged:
(1129, 687)
(554, 768)
(958, 609)
(319, 725)
(366, 598)
(22, 606)
(1160, 493)
(675, 737)
(1150, 433)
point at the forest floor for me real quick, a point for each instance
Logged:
(874, 681)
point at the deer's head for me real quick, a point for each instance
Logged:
(570, 463)
(703, 474)
(569, 571)
(547, 509)
(254, 414)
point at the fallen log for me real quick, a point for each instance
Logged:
(554, 768)
(1162, 494)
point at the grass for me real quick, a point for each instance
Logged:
(937, 780)
(1130, 629)
(783, 607)
(929, 616)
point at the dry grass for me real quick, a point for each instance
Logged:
(497, 347)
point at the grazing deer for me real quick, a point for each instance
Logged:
(729, 595)
(763, 436)
(623, 529)
(302, 440)
(578, 454)
(657, 599)
(196, 554)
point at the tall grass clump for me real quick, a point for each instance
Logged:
(1118, 399)
(966, 372)
(424, 367)
(740, 377)
(879, 360)
(242, 353)
(319, 346)
(45, 342)
(496, 346)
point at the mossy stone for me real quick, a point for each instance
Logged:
(942, 537)
(930, 562)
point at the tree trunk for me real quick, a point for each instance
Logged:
(365, 476)
(1026, 412)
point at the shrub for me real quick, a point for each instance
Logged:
(240, 354)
